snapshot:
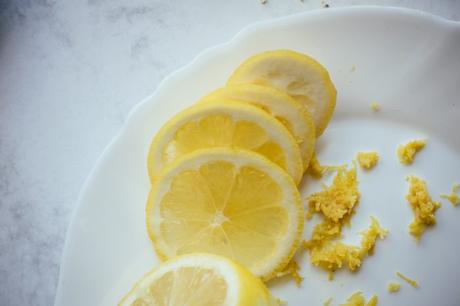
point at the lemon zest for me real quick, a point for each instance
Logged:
(337, 201)
(367, 160)
(317, 170)
(453, 197)
(408, 280)
(292, 269)
(423, 207)
(375, 106)
(406, 153)
(394, 287)
(357, 299)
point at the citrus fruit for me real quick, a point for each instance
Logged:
(226, 124)
(281, 106)
(233, 203)
(297, 74)
(199, 280)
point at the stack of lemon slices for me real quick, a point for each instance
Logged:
(224, 210)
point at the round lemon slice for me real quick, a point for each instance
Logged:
(198, 280)
(226, 124)
(278, 104)
(233, 203)
(299, 75)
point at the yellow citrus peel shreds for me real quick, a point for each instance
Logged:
(337, 201)
(406, 152)
(336, 204)
(327, 302)
(408, 280)
(357, 299)
(292, 269)
(375, 106)
(333, 255)
(453, 197)
(367, 160)
(422, 205)
(393, 287)
(316, 170)
(370, 237)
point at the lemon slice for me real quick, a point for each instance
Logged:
(227, 202)
(226, 124)
(297, 74)
(280, 105)
(199, 280)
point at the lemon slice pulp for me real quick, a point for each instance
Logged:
(297, 74)
(227, 124)
(281, 106)
(233, 203)
(199, 280)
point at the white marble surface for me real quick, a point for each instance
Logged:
(70, 71)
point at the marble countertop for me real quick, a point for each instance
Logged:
(70, 71)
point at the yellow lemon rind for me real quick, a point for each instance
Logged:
(301, 60)
(245, 288)
(245, 111)
(247, 158)
(278, 104)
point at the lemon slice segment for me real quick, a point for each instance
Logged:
(278, 104)
(226, 124)
(297, 74)
(199, 280)
(233, 203)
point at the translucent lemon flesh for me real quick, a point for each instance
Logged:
(227, 124)
(199, 280)
(297, 74)
(280, 105)
(231, 203)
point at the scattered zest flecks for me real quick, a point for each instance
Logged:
(422, 205)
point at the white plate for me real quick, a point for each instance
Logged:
(408, 61)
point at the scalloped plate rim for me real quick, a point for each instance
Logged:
(199, 60)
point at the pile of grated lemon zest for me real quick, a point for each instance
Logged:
(375, 106)
(408, 280)
(393, 287)
(367, 160)
(357, 299)
(336, 204)
(333, 255)
(453, 197)
(423, 207)
(323, 232)
(327, 302)
(406, 153)
(292, 269)
(338, 200)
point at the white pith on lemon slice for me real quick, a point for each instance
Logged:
(234, 203)
(227, 124)
(278, 104)
(199, 280)
(297, 74)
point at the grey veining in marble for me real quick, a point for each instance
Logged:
(70, 71)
